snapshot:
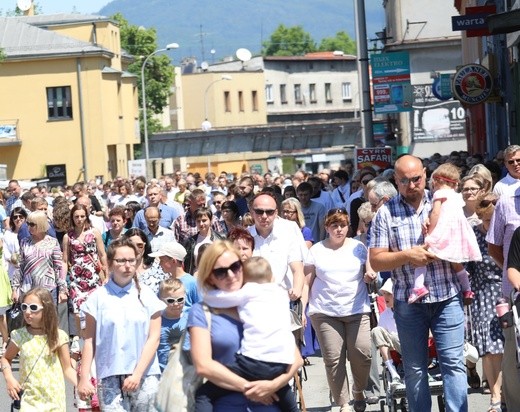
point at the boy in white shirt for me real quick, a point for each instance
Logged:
(268, 347)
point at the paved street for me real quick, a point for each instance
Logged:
(315, 389)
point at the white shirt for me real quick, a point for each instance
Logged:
(507, 184)
(282, 246)
(387, 321)
(264, 310)
(338, 288)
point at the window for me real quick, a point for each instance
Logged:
(297, 93)
(312, 93)
(269, 98)
(346, 92)
(283, 94)
(328, 94)
(254, 98)
(240, 101)
(227, 101)
(59, 103)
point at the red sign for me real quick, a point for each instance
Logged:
(480, 10)
(380, 158)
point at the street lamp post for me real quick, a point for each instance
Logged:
(143, 92)
(206, 124)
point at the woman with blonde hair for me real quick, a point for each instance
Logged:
(215, 345)
(473, 187)
(292, 210)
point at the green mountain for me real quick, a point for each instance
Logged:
(226, 25)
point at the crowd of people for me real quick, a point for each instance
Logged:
(119, 271)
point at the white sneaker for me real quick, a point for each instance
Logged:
(396, 381)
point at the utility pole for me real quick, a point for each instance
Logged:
(367, 132)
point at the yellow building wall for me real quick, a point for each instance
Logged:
(195, 105)
(109, 117)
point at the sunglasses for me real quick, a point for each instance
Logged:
(268, 212)
(18, 217)
(33, 307)
(221, 273)
(340, 210)
(513, 161)
(31, 224)
(217, 202)
(405, 181)
(171, 301)
(486, 202)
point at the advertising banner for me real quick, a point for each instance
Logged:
(380, 158)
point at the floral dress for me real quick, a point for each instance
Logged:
(85, 267)
(486, 281)
(41, 375)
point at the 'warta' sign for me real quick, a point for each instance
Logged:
(474, 21)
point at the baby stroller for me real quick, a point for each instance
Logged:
(395, 396)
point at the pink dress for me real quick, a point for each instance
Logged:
(453, 238)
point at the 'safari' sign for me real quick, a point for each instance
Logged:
(380, 158)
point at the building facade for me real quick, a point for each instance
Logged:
(67, 98)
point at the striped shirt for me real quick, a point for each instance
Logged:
(398, 226)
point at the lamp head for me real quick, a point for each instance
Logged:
(226, 77)
(172, 46)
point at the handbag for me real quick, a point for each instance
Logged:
(179, 380)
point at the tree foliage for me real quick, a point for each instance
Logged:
(288, 41)
(159, 73)
(341, 42)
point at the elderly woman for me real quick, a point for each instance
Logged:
(486, 283)
(472, 188)
(243, 241)
(292, 210)
(41, 261)
(221, 268)
(339, 309)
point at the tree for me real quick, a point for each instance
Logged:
(159, 73)
(288, 41)
(341, 42)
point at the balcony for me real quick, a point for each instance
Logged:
(9, 135)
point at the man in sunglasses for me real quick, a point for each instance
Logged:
(279, 241)
(511, 182)
(397, 245)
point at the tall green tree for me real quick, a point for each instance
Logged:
(159, 72)
(288, 41)
(341, 42)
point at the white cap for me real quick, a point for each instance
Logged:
(387, 287)
(172, 249)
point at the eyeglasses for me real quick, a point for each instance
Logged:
(406, 181)
(470, 189)
(125, 261)
(512, 161)
(33, 307)
(366, 181)
(18, 217)
(486, 202)
(171, 301)
(289, 212)
(31, 224)
(221, 273)
(268, 212)
(340, 210)
(376, 204)
(217, 202)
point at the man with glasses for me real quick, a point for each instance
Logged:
(217, 198)
(511, 182)
(154, 194)
(279, 241)
(156, 234)
(397, 244)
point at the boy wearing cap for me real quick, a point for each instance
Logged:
(384, 336)
(171, 257)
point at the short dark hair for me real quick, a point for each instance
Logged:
(341, 174)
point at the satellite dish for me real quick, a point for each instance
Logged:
(243, 55)
(204, 66)
(24, 5)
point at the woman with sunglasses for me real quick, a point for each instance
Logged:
(44, 357)
(41, 261)
(122, 332)
(486, 283)
(339, 309)
(221, 268)
(292, 210)
(11, 245)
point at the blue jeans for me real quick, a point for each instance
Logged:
(446, 322)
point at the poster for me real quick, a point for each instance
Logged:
(380, 158)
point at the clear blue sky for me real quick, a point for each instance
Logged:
(64, 6)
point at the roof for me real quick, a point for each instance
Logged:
(20, 40)
(61, 18)
(327, 55)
